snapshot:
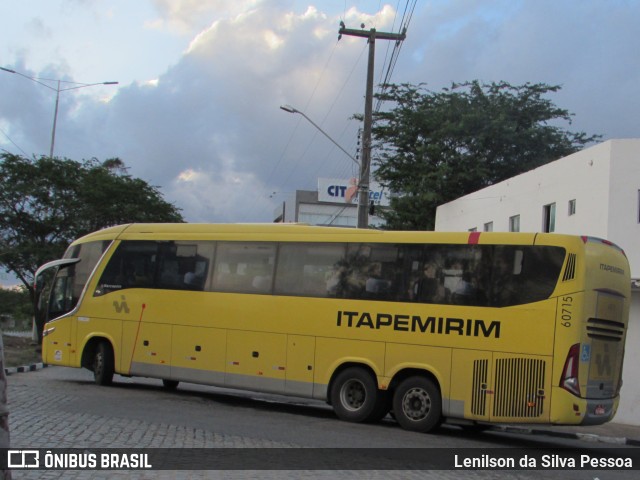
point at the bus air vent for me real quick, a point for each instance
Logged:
(479, 392)
(518, 386)
(607, 330)
(570, 270)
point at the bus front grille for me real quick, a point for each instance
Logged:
(608, 330)
(519, 388)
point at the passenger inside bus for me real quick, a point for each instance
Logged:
(504, 282)
(375, 286)
(430, 287)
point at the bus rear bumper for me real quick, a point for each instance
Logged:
(599, 411)
(567, 409)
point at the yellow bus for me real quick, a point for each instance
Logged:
(471, 328)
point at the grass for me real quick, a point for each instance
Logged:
(20, 351)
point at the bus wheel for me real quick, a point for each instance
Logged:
(417, 404)
(170, 384)
(103, 364)
(383, 406)
(354, 395)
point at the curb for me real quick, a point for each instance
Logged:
(588, 437)
(26, 368)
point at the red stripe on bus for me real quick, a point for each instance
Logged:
(474, 238)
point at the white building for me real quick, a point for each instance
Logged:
(594, 192)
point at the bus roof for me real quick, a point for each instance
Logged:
(310, 233)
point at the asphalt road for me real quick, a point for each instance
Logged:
(61, 408)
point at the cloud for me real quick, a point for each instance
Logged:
(187, 16)
(207, 129)
(586, 47)
(210, 130)
(224, 195)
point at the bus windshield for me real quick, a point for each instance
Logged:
(71, 278)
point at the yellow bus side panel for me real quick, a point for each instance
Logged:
(59, 347)
(300, 365)
(471, 379)
(500, 387)
(90, 327)
(435, 360)
(256, 360)
(333, 352)
(198, 354)
(567, 409)
(521, 388)
(152, 350)
(129, 332)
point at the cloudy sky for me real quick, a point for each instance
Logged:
(196, 111)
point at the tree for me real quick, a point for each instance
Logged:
(433, 147)
(17, 303)
(46, 203)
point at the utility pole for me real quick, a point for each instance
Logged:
(365, 164)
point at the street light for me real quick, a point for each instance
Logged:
(290, 109)
(57, 89)
(363, 207)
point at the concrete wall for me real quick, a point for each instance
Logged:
(604, 180)
(629, 409)
(582, 176)
(624, 191)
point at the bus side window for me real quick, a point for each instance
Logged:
(307, 269)
(184, 265)
(132, 265)
(465, 274)
(382, 281)
(505, 277)
(540, 270)
(244, 267)
(369, 271)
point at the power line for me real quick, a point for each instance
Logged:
(386, 55)
(337, 97)
(299, 158)
(293, 132)
(14, 143)
(404, 26)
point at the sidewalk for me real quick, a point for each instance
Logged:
(23, 368)
(611, 433)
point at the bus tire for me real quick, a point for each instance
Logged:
(417, 404)
(103, 364)
(170, 384)
(383, 406)
(354, 395)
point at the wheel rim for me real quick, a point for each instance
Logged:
(353, 395)
(98, 364)
(416, 404)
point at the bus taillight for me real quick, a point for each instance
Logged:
(586, 239)
(569, 380)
